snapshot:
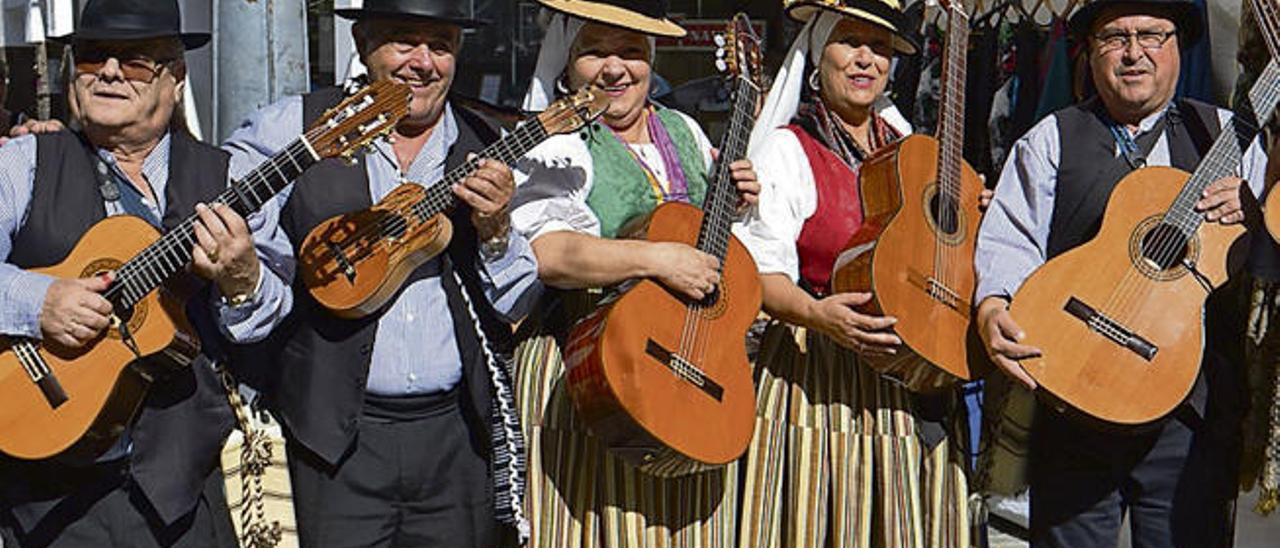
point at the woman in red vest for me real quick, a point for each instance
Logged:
(841, 457)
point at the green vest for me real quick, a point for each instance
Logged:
(620, 189)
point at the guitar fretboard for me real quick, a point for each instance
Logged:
(722, 195)
(951, 110)
(1223, 158)
(440, 197)
(172, 252)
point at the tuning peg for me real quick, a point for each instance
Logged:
(718, 39)
(721, 65)
(719, 53)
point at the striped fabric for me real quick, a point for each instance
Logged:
(580, 496)
(836, 460)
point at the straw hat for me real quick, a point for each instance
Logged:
(884, 13)
(647, 16)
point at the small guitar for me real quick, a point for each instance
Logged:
(76, 402)
(354, 263)
(665, 382)
(914, 252)
(1120, 319)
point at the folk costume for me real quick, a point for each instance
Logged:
(1176, 479)
(159, 485)
(841, 456)
(401, 426)
(580, 494)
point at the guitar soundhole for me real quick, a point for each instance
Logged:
(946, 214)
(1164, 247)
(394, 227)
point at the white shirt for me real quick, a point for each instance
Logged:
(555, 179)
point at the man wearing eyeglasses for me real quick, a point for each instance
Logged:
(1175, 480)
(159, 485)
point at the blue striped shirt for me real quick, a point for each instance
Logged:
(414, 351)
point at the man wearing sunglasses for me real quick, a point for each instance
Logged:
(159, 485)
(1176, 479)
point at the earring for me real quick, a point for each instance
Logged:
(814, 83)
(561, 87)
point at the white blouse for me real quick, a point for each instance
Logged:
(554, 179)
(788, 197)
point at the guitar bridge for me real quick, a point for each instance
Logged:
(39, 372)
(685, 370)
(343, 261)
(1111, 329)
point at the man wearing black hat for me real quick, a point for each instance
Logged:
(159, 485)
(400, 425)
(1176, 480)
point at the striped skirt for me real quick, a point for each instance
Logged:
(836, 459)
(581, 496)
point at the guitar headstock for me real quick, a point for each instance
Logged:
(359, 119)
(955, 9)
(738, 53)
(575, 111)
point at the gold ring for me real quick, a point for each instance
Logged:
(213, 255)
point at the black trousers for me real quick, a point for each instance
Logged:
(107, 510)
(1178, 484)
(415, 478)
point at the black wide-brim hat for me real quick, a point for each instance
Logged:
(1184, 13)
(446, 11)
(134, 20)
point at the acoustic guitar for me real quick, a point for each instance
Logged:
(914, 251)
(1120, 319)
(74, 403)
(354, 263)
(663, 380)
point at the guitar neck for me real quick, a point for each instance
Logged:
(721, 201)
(440, 197)
(1223, 159)
(1268, 18)
(951, 110)
(172, 253)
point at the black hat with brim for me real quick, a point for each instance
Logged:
(1184, 13)
(134, 20)
(445, 11)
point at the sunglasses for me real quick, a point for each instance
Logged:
(134, 66)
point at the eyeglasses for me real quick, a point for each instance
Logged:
(134, 66)
(1150, 40)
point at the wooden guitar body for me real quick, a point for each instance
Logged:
(355, 263)
(104, 381)
(1271, 215)
(893, 256)
(1137, 358)
(623, 371)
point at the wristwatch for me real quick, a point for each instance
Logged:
(495, 247)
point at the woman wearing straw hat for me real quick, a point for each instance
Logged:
(841, 457)
(574, 195)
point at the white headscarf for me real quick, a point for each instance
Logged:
(784, 97)
(553, 57)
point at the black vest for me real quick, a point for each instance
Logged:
(180, 428)
(1088, 172)
(321, 362)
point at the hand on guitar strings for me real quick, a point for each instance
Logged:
(1002, 338)
(74, 312)
(224, 251)
(743, 175)
(868, 336)
(683, 269)
(1221, 201)
(488, 191)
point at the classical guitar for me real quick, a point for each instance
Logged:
(354, 263)
(1271, 208)
(74, 403)
(914, 251)
(1120, 318)
(665, 381)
